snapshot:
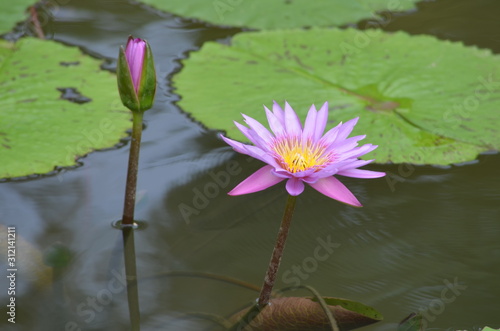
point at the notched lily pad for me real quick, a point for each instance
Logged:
(280, 14)
(51, 114)
(422, 100)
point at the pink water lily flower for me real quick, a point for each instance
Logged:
(303, 154)
(136, 75)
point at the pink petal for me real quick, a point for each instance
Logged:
(134, 52)
(274, 123)
(278, 112)
(328, 171)
(236, 145)
(251, 135)
(347, 144)
(352, 164)
(258, 181)
(358, 151)
(321, 120)
(346, 129)
(331, 135)
(260, 154)
(282, 173)
(310, 124)
(253, 151)
(333, 188)
(292, 122)
(304, 173)
(259, 129)
(246, 131)
(360, 173)
(294, 186)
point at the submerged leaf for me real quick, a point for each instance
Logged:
(279, 14)
(422, 100)
(301, 314)
(412, 322)
(56, 104)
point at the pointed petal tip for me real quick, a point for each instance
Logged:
(333, 188)
(354, 121)
(258, 181)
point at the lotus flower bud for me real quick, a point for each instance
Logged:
(136, 75)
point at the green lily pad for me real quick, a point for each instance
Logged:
(422, 100)
(280, 14)
(56, 104)
(12, 12)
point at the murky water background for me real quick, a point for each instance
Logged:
(422, 230)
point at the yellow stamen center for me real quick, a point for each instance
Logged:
(295, 155)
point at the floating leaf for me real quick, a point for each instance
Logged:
(55, 105)
(280, 14)
(12, 12)
(296, 313)
(421, 100)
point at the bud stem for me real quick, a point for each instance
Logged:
(133, 161)
(128, 220)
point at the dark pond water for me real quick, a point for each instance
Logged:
(421, 231)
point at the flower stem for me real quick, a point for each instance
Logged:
(128, 220)
(133, 161)
(272, 271)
